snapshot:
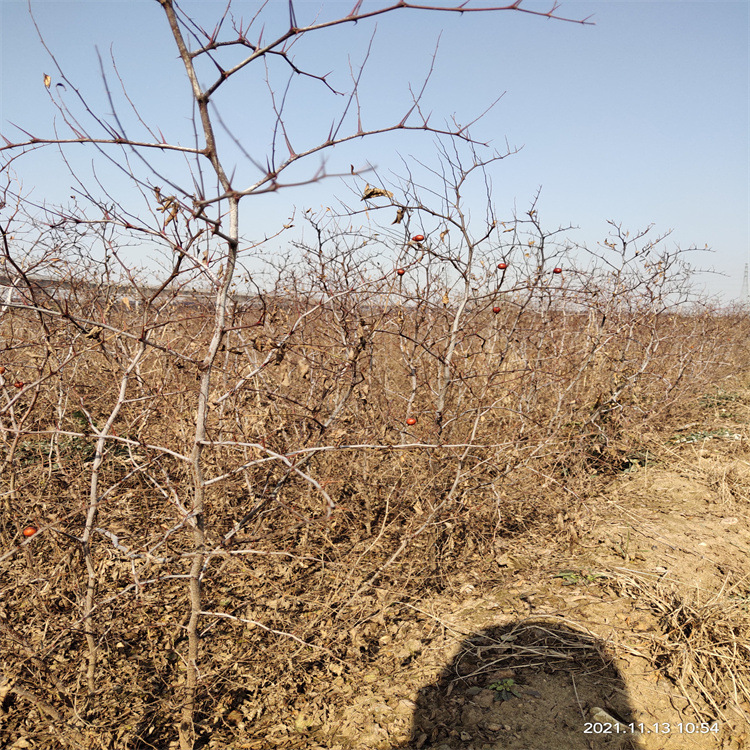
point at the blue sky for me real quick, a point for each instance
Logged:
(642, 118)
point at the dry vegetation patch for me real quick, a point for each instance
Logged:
(348, 554)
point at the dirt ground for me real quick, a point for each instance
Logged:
(629, 630)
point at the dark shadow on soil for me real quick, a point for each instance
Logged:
(535, 684)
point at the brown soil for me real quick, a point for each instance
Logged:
(643, 614)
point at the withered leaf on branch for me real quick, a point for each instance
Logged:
(168, 204)
(443, 233)
(47, 80)
(376, 192)
(399, 216)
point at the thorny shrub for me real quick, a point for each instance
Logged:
(526, 386)
(226, 483)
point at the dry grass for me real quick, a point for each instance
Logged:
(703, 645)
(307, 412)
